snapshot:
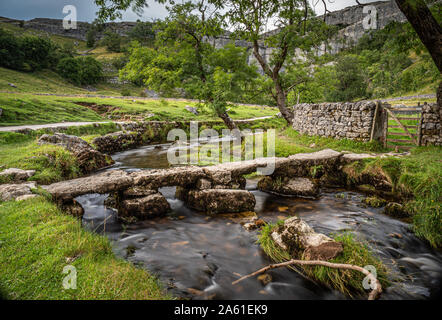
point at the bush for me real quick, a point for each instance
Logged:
(112, 41)
(11, 55)
(126, 92)
(81, 71)
(90, 37)
(38, 52)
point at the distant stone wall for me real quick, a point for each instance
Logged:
(339, 120)
(431, 133)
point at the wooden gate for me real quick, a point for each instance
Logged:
(402, 127)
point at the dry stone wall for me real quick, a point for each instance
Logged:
(431, 130)
(339, 120)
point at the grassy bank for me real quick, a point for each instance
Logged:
(37, 241)
(354, 252)
(418, 179)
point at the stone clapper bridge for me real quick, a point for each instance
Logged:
(213, 189)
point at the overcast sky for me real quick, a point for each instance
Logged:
(86, 9)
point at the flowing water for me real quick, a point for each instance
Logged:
(198, 256)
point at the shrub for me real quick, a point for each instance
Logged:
(81, 71)
(112, 41)
(90, 37)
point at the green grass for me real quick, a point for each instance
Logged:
(418, 179)
(289, 141)
(34, 109)
(346, 281)
(37, 241)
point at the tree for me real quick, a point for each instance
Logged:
(298, 31)
(428, 30)
(142, 32)
(112, 41)
(184, 60)
(80, 70)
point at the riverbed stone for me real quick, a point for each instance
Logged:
(143, 208)
(88, 158)
(106, 182)
(301, 241)
(14, 191)
(218, 200)
(301, 187)
(118, 141)
(16, 175)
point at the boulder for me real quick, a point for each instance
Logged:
(17, 175)
(143, 208)
(301, 187)
(179, 176)
(14, 191)
(300, 240)
(118, 141)
(218, 200)
(88, 158)
(106, 182)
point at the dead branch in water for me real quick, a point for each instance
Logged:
(372, 296)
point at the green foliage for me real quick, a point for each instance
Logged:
(350, 76)
(112, 41)
(183, 64)
(80, 70)
(143, 32)
(28, 53)
(91, 37)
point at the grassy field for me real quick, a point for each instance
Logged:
(47, 81)
(37, 241)
(35, 109)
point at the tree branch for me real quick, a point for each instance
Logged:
(375, 292)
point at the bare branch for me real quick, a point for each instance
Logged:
(375, 292)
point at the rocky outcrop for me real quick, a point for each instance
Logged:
(301, 241)
(118, 141)
(16, 175)
(21, 191)
(106, 182)
(88, 158)
(218, 200)
(301, 187)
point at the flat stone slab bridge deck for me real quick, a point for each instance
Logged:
(191, 177)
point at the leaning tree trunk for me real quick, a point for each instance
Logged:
(228, 121)
(428, 30)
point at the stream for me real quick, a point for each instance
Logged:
(198, 256)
